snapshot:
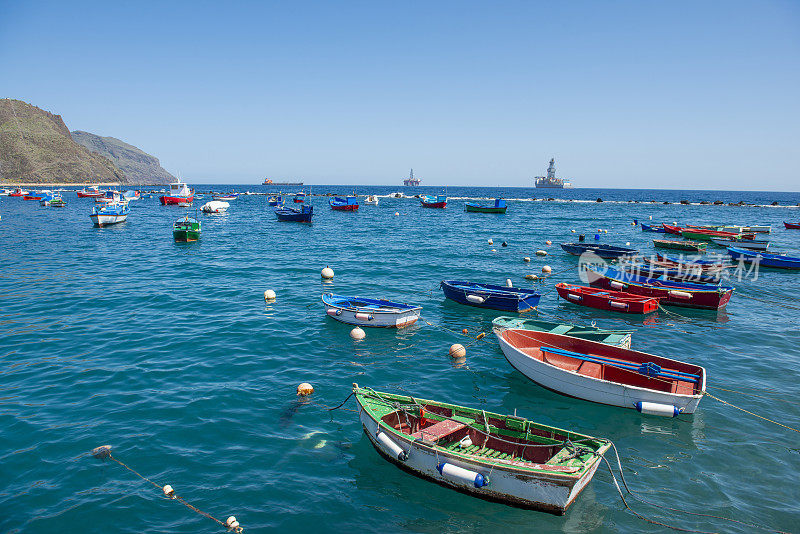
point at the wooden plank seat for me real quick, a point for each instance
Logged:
(439, 430)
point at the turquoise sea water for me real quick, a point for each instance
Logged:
(168, 352)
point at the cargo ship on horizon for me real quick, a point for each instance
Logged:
(267, 181)
(550, 181)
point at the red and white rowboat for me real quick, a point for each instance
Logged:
(604, 299)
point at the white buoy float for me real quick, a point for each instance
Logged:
(305, 389)
(541, 253)
(232, 523)
(655, 408)
(509, 283)
(491, 241)
(605, 231)
(547, 269)
(531, 277)
(651, 217)
(526, 259)
(548, 242)
(269, 295)
(357, 333)
(573, 231)
(389, 445)
(168, 491)
(396, 214)
(627, 243)
(327, 273)
(457, 350)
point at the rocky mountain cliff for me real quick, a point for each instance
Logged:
(138, 166)
(36, 147)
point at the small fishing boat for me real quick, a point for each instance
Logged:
(372, 200)
(225, 197)
(620, 338)
(131, 195)
(776, 261)
(179, 194)
(606, 300)
(113, 213)
(719, 262)
(186, 229)
(53, 201)
(37, 195)
(670, 229)
(674, 273)
(760, 229)
(215, 206)
(605, 374)
(689, 295)
(513, 299)
(370, 312)
(18, 193)
(348, 203)
(499, 458)
(499, 207)
(693, 246)
(749, 244)
(275, 200)
(433, 201)
(791, 225)
(109, 196)
(708, 235)
(299, 197)
(288, 214)
(90, 192)
(648, 228)
(601, 250)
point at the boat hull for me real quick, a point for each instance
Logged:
(105, 220)
(619, 338)
(344, 207)
(791, 226)
(492, 297)
(603, 251)
(372, 317)
(748, 244)
(542, 492)
(438, 205)
(656, 229)
(474, 208)
(185, 236)
(765, 260)
(691, 246)
(607, 300)
(579, 386)
(175, 201)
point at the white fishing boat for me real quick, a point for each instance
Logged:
(214, 206)
(500, 458)
(371, 199)
(370, 312)
(113, 213)
(604, 373)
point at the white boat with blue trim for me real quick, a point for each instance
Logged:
(370, 312)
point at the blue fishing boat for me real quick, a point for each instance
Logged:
(499, 207)
(653, 228)
(348, 203)
(776, 261)
(370, 312)
(275, 200)
(692, 261)
(513, 299)
(602, 250)
(289, 214)
(433, 201)
(113, 213)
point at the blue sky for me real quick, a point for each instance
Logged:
(699, 95)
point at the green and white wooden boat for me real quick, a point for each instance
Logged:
(501, 458)
(694, 246)
(499, 207)
(619, 338)
(186, 229)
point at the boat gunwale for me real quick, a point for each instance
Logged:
(395, 311)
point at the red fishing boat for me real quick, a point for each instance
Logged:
(91, 192)
(788, 225)
(670, 229)
(607, 300)
(686, 294)
(179, 194)
(33, 196)
(18, 193)
(430, 201)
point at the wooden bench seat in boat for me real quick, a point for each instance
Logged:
(439, 430)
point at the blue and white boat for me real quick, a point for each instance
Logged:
(601, 250)
(275, 200)
(288, 214)
(513, 299)
(776, 261)
(433, 201)
(370, 312)
(113, 213)
(348, 203)
(131, 195)
(653, 228)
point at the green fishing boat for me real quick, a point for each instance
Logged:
(499, 207)
(186, 229)
(619, 338)
(57, 202)
(500, 458)
(694, 246)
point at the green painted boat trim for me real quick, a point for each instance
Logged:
(619, 338)
(680, 245)
(380, 404)
(699, 236)
(484, 209)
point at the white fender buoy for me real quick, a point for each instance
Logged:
(526, 259)
(627, 243)
(617, 285)
(327, 273)
(269, 295)
(573, 296)
(548, 242)
(391, 447)
(491, 241)
(531, 277)
(305, 389)
(364, 316)
(547, 269)
(509, 283)
(461, 474)
(465, 442)
(599, 230)
(457, 350)
(541, 253)
(476, 299)
(168, 491)
(618, 305)
(651, 217)
(573, 230)
(679, 294)
(357, 333)
(655, 408)
(494, 250)
(232, 523)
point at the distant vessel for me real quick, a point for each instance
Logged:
(268, 181)
(411, 180)
(550, 181)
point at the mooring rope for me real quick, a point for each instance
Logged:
(751, 413)
(104, 452)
